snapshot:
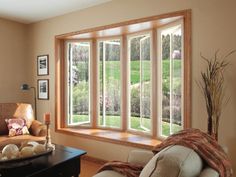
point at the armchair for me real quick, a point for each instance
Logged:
(173, 161)
(20, 110)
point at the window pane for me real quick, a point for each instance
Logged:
(78, 83)
(171, 41)
(176, 79)
(110, 84)
(140, 83)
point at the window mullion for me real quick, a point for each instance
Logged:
(171, 83)
(94, 84)
(155, 89)
(103, 84)
(141, 83)
(124, 80)
(71, 82)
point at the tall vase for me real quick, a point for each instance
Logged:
(215, 127)
(212, 127)
(209, 126)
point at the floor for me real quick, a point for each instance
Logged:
(88, 168)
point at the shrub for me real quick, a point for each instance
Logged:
(135, 102)
(81, 98)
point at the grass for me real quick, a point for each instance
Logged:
(114, 121)
(113, 73)
(166, 68)
(135, 71)
(113, 70)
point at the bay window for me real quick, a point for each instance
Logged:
(129, 78)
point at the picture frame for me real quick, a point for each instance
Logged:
(43, 89)
(43, 65)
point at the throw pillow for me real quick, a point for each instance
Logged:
(17, 126)
(174, 161)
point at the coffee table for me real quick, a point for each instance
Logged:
(63, 162)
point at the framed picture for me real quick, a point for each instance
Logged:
(42, 65)
(43, 89)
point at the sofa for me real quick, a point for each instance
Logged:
(173, 161)
(37, 130)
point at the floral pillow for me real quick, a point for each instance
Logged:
(17, 127)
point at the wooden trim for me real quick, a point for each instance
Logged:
(99, 39)
(63, 83)
(120, 138)
(57, 88)
(60, 86)
(146, 19)
(94, 84)
(154, 84)
(187, 69)
(124, 75)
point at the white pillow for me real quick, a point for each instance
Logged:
(174, 161)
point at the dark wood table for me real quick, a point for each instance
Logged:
(63, 162)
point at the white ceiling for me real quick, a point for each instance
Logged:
(28, 11)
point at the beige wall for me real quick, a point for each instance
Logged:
(214, 27)
(13, 61)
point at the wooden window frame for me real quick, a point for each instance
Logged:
(60, 40)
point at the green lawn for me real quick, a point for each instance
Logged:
(113, 70)
(135, 71)
(114, 121)
(166, 68)
(113, 73)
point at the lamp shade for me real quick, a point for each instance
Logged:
(24, 87)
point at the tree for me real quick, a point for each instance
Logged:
(80, 59)
(166, 46)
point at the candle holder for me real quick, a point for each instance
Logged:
(48, 143)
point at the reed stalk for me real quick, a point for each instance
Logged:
(213, 89)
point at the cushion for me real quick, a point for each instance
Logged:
(17, 126)
(174, 161)
(140, 157)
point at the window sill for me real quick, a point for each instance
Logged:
(121, 138)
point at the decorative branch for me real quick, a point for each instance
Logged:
(212, 86)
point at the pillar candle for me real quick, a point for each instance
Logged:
(47, 118)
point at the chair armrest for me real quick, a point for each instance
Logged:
(38, 129)
(140, 157)
(209, 172)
